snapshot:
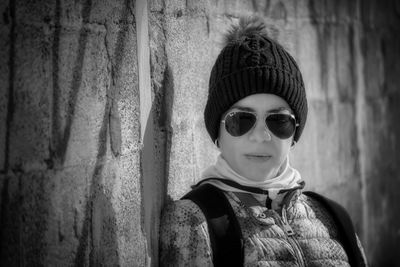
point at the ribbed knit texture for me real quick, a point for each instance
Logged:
(250, 64)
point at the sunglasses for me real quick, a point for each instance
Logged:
(282, 125)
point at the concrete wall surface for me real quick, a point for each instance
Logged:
(101, 113)
(70, 158)
(347, 52)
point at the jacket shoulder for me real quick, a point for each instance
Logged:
(184, 237)
(183, 211)
(334, 215)
(318, 212)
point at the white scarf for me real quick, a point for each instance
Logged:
(287, 179)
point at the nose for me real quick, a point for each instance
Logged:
(260, 133)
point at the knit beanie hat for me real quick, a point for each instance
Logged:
(252, 63)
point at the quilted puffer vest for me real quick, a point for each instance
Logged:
(301, 234)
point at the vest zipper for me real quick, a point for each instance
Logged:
(246, 201)
(290, 237)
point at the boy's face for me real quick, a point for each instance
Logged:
(258, 154)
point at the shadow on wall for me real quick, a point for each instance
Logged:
(60, 138)
(98, 238)
(21, 230)
(99, 219)
(155, 158)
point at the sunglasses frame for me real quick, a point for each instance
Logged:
(265, 117)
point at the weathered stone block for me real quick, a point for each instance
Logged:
(35, 12)
(128, 201)
(331, 11)
(30, 128)
(69, 221)
(380, 14)
(80, 83)
(123, 89)
(374, 71)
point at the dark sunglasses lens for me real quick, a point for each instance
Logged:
(281, 125)
(239, 123)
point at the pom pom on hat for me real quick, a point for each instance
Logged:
(247, 27)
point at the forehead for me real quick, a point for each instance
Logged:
(262, 103)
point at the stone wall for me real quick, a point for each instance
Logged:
(101, 114)
(70, 159)
(347, 52)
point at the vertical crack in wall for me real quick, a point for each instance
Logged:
(114, 118)
(21, 254)
(167, 97)
(163, 107)
(10, 113)
(323, 35)
(4, 204)
(55, 116)
(163, 86)
(11, 78)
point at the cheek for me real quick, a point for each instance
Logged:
(230, 149)
(232, 156)
(227, 146)
(283, 148)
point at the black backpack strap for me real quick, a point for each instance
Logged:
(345, 228)
(225, 234)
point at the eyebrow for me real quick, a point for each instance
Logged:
(252, 110)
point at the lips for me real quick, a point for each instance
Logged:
(258, 157)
